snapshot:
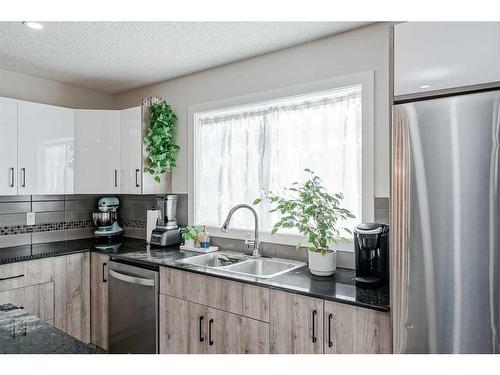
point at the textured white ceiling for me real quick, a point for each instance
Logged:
(119, 56)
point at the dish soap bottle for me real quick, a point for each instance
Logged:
(205, 238)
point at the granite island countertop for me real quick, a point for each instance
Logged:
(24, 333)
(339, 288)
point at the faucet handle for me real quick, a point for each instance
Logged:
(250, 243)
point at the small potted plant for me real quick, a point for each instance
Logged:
(316, 214)
(191, 236)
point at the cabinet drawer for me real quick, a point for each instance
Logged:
(20, 274)
(35, 299)
(231, 296)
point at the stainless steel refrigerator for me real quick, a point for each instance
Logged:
(445, 259)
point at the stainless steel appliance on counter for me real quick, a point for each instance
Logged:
(133, 309)
(166, 232)
(445, 295)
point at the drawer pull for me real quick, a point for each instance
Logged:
(23, 177)
(11, 277)
(137, 178)
(201, 334)
(11, 170)
(104, 278)
(314, 338)
(330, 343)
(210, 323)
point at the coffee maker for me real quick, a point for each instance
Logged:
(167, 231)
(371, 249)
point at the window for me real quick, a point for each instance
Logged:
(241, 150)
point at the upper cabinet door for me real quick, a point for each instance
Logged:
(8, 146)
(45, 149)
(131, 150)
(97, 151)
(431, 56)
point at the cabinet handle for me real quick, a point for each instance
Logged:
(201, 334)
(11, 277)
(116, 177)
(104, 278)
(23, 177)
(11, 171)
(137, 177)
(210, 323)
(314, 338)
(330, 343)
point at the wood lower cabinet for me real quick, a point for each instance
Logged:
(72, 295)
(183, 326)
(99, 299)
(191, 328)
(57, 290)
(35, 299)
(204, 314)
(21, 274)
(351, 329)
(296, 324)
(235, 334)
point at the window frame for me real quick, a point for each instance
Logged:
(365, 79)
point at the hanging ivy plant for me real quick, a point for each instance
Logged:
(160, 140)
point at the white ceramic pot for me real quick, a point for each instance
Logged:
(189, 243)
(323, 265)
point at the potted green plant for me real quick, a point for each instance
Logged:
(191, 236)
(316, 214)
(160, 141)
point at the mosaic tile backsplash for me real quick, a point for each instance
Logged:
(46, 227)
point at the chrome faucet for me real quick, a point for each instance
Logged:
(254, 244)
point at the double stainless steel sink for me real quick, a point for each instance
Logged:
(240, 264)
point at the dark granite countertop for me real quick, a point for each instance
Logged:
(43, 250)
(340, 287)
(23, 333)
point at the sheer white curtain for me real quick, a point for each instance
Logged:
(244, 150)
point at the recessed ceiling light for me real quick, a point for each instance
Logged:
(33, 25)
(425, 86)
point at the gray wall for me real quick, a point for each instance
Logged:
(41, 90)
(359, 50)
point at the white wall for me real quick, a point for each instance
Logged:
(41, 90)
(354, 51)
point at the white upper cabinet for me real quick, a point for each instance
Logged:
(134, 155)
(8, 146)
(97, 151)
(432, 56)
(45, 149)
(131, 150)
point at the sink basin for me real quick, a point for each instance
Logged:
(244, 265)
(263, 268)
(214, 260)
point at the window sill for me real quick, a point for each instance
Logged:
(281, 239)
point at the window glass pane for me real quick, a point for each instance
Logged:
(266, 146)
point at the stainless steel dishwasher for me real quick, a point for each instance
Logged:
(133, 308)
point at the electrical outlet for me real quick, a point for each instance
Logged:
(30, 218)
